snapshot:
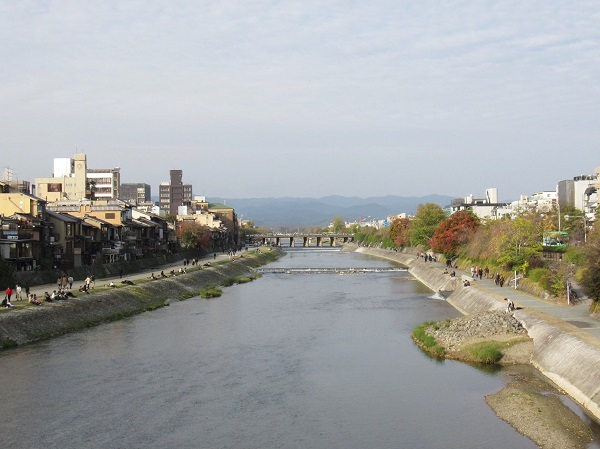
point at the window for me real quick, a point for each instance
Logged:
(109, 215)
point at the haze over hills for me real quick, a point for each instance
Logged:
(290, 212)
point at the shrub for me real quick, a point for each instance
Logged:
(486, 352)
(426, 341)
(210, 292)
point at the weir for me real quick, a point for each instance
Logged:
(328, 270)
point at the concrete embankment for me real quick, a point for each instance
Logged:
(568, 359)
(37, 323)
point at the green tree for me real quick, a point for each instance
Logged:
(454, 232)
(338, 224)
(521, 242)
(425, 222)
(590, 276)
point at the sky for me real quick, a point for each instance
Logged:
(277, 98)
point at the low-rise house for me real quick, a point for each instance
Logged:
(24, 233)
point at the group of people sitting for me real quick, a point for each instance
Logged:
(60, 295)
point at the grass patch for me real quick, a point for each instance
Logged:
(7, 343)
(486, 352)
(210, 292)
(426, 341)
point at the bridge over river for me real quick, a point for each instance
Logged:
(305, 238)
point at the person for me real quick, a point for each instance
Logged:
(33, 300)
(466, 283)
(9, 293)
(18, 294)
(120, 273)
(6, 302)
(510, 306)
(92, 281)
(70, 279)
(111, 284)
(47, 297)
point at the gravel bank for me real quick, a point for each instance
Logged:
(531, 405)
(455, 335)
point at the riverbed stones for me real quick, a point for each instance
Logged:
(494, 325)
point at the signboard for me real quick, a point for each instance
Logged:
(55, 187)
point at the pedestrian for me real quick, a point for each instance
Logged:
(70, 279)
(18, 293)
(9, 293)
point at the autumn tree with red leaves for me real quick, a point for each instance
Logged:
(400, 231)
(454, 232)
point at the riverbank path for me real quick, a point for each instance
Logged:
(102, 283)
(577, 313)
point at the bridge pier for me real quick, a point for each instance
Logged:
(319, 241)
(306, 242)
(292, 242)
(332, 241)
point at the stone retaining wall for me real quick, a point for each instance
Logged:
(566, 359)
(51, 319)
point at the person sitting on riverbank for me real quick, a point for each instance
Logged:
(84, 288)
(510, 306)
(127, 282)
(33, 300)
(162, 274)
(6, 303)
(47, 297)
(466, 283)
(111, 284)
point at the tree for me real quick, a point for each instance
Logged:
(590, 276)
(338, 224)
(425, 222)
(400, 231)
(522, 241)
(454, 232)
(195, 236)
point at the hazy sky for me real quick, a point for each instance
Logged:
(307, 98)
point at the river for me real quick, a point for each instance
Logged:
(299, 360)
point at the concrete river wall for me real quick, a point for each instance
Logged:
(37, 323)
(570, 361)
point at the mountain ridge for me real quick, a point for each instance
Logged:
(273, 212)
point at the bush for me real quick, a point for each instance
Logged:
(486, 352)
(426, 341)
(210, 292)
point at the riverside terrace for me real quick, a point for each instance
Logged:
(307, 239)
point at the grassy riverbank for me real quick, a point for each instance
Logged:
(106, 303)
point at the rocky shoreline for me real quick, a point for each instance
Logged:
(530, 405)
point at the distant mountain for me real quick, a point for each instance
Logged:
(308, 212)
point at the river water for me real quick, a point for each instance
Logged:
(287, 361)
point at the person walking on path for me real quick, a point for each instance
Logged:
(9, 293)
(18, 293)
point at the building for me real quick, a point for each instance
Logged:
(24, 233)
(135, 193)
(571, 192)
(484, 208)
(174, 193)
(104, 183)
(72, 180)
(68, 181)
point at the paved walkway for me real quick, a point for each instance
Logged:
(100, 282)
(576, 314)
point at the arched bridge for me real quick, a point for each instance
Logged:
(306, 238)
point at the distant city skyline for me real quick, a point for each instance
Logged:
(279, 98)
